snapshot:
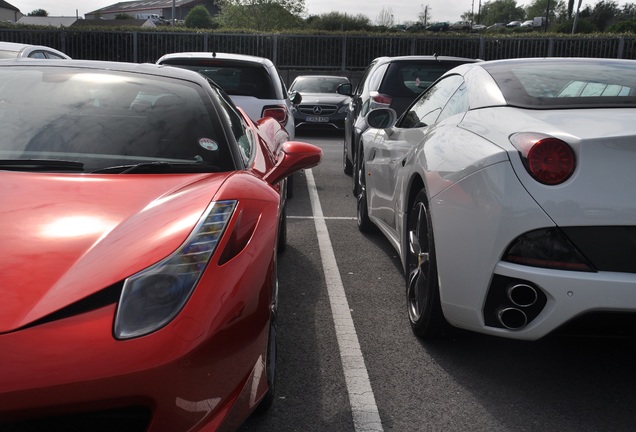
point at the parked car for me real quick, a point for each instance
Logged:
(438, 27)
(387, 82)
(496, 26)
(321, 106)
(513, 24)
(10, 50)
(527, 23)
(253, 83)
(479, 27)
(507, 190)
(461, 26)
(141, 213)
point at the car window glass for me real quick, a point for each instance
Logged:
(53, 56)
(565, 83)
(458, 103)
(317, 84)
(237, 79)
(106, 118)
(408, 79)
(360, 85)
(428, 107)
(238, 128)
(376, 77)
(37, 54)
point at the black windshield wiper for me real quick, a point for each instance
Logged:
(160, 167)
(40, 165)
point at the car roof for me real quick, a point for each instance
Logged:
(322, 76)
(143, 68)
(19, 47)
(212, 55)
(423, 58)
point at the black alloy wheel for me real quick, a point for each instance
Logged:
(270, 363)
(356, 170)
(364, 223)
(422, 288)
(347, 165)
(281, 244)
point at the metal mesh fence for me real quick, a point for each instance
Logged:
(315, 52)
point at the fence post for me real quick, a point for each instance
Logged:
(63, 40)
(275, 50)
(205, 41)
(413, 43)
(135, 47)
(550, 47)
(621, 47)
(344, 52)
(482, 47)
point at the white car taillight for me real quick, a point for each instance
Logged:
(379, 100)
(278, 113)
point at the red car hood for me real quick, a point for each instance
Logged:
(65, 237)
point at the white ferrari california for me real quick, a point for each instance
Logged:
(508, 189)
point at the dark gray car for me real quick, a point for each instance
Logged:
(388, 82)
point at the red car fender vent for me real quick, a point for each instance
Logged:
(246, 222)
(548, 160)
(279, 113)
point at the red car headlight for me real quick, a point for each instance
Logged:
(151, 298)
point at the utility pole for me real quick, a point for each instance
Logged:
(576, 17)
(173, 8)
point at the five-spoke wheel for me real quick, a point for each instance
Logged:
(422, 289)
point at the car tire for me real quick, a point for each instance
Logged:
(347, 165)
(290, 186)
(364, 223)
(422, 287)
(356, 172)
(281, 243)
(272, 344)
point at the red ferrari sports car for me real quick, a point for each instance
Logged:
(141, 217)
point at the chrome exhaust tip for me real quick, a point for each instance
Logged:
(512, 318)
(522, 295)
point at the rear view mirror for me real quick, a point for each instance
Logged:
(345, 89)
(382, 118)
(294, 156)
(295, 97)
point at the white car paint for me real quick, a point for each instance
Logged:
(482, 198)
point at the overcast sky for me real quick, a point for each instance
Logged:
(403, 10)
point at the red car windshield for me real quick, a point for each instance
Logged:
(105, 118)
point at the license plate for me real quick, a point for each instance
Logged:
(314, 119)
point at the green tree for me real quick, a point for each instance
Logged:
(538, 8)
(199, 17)
(604, 14)
(261, 15)
(501, 11)
(337, 21)
(39, 13)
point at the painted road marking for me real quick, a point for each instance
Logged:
(324, 217)
(366, 417)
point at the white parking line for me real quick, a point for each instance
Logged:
(366, 417)
(324, 217)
